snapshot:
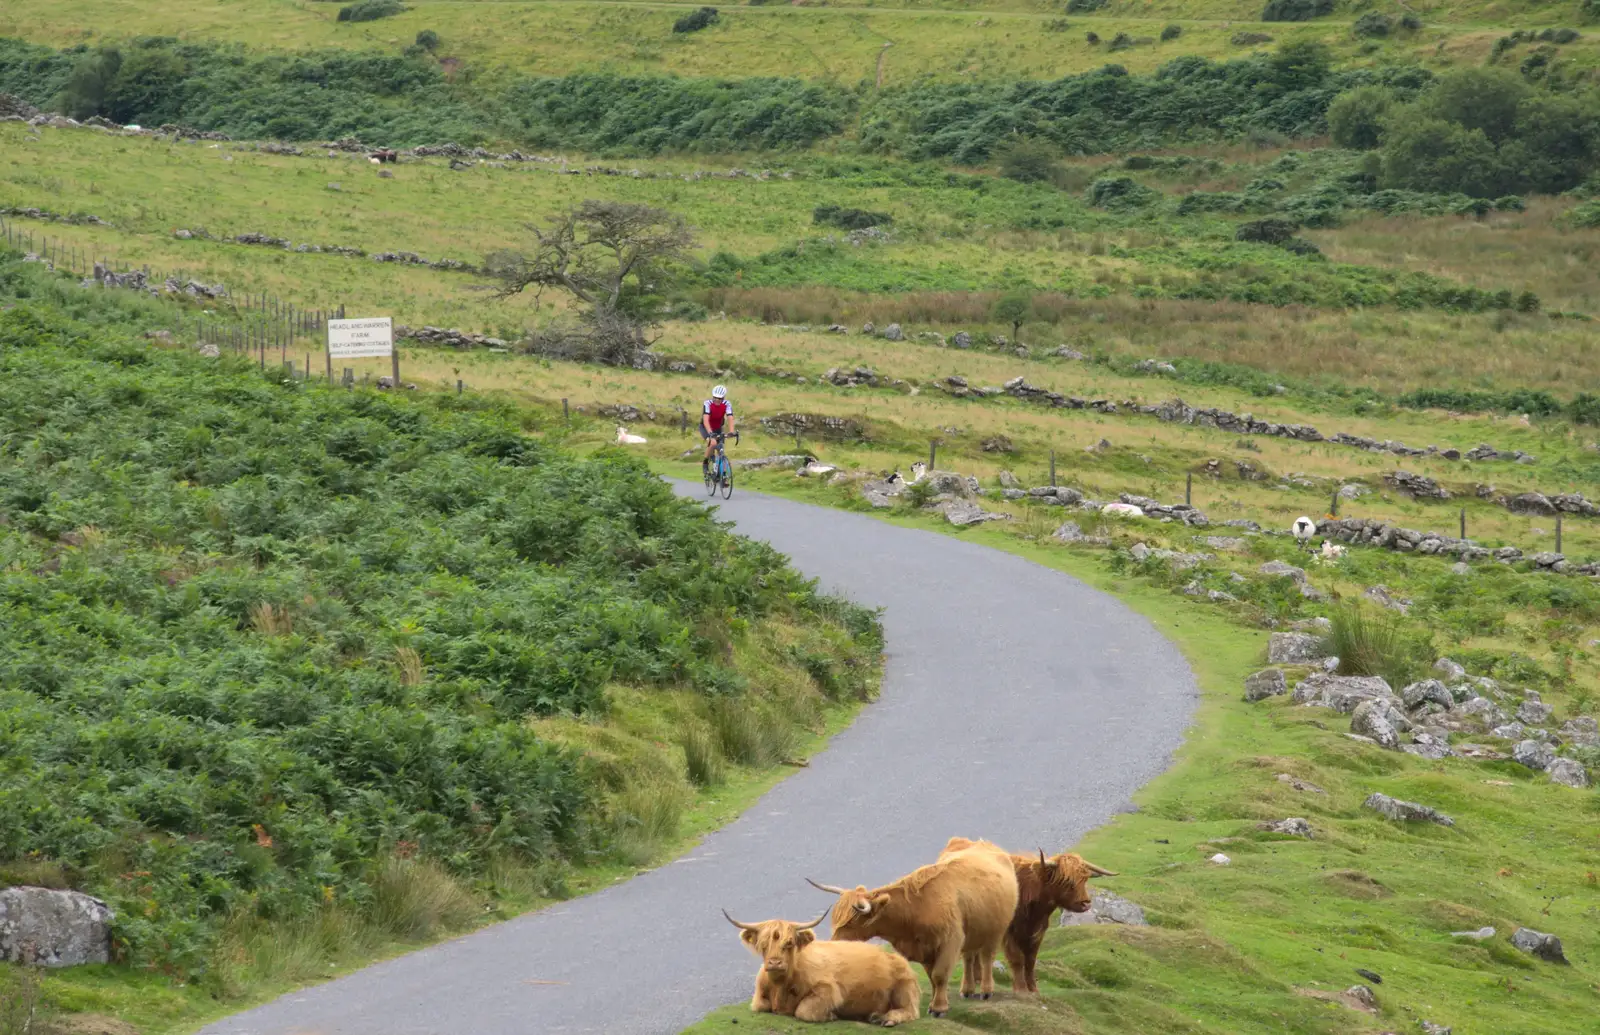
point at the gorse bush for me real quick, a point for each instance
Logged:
(694, 21)
(849, 218)
(1295, 10)
(1373, 25)
(257, 635)
(371, 10)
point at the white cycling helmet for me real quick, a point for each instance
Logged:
(719, 392)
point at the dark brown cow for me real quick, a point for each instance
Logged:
(1043, 886)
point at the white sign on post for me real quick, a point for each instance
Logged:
(354, 339)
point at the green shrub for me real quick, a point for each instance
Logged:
(1373, 25)
(1410, 21)
(1302, 247)
(1027, 160)
(1590, 10)
(849, 218)
(1266, 231)
(1120, 193)
(1356, 117)
(1092, 38)
(1122, 41)
(646, 815)
(1171, 32)
(1585, 408)
(1083, 6)
(1295, 10)
(371, 10)
(694, 21)
(1585, 216)
(428, 40)
(751, 734)
(414, 899)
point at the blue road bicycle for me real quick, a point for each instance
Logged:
(719, 473)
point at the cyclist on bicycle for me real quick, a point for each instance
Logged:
(716, 420)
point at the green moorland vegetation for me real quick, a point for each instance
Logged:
(291, 676)
(1370, 225)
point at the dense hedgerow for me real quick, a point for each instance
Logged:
(255, 635)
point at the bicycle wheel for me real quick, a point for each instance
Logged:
(710, 470)
(727, 480)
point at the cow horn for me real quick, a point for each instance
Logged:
(1043, 862)
(1100, 871)
(830, 889)
(818, 920)
(742, 927)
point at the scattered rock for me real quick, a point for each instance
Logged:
(53, 928)
(1569, 772)
(1294, 648)
(1380, 595)
(1430, 1028)
(1364, 996)
(1106, 908)
(1449, 670)
(1537, 943)
(1269, 682)
(1372, 976)
(964, 512)
(1293, 826)
(1009, 480)
(1401, 811)
(1427, 745)
(1298, 784)
(1219, 860)
(1378, 719)
(1282, 568)
(894, 333)
(1417, 486)
(1417, 694)
(1534, 754)
(1480, 935)
(1341, 693)
(1533, 710)
(961, 340)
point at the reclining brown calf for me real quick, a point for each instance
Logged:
(824, 981)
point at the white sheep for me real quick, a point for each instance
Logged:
(1303, 528)
(1331, 551)
(625, 439)
(1122, 510)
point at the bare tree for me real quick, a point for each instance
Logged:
(607, 254)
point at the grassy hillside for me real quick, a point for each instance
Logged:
(1004, 39)
(289, 673)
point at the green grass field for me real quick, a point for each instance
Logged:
(835, 42)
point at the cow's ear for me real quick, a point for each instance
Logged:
(879, 901)
(804, 938)
(748, 937)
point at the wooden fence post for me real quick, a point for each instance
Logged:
(566, 414)
(1558, 531)
(1052, 468)
(1463, 522)
(1188, 488)
(933, 454)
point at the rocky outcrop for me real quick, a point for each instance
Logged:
(1269, 682)
(1341, 693)
(1417, 486)
(53, 928)
(964, 512)
(451, 338)
(139, 280)
(1105, 907)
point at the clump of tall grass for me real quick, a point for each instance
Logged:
(1370, 643)
(645, 817)
(751, 734)
(702, 757)
(414, 899)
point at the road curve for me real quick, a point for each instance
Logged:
(1018, 705)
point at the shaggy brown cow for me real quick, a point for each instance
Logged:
(957, 907)
(824, 981)
(1043, 886)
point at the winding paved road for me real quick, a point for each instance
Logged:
(1018, 705)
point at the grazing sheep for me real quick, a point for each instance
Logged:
(624, 438)
(1303, 529)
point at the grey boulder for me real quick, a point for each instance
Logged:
(1341, 693)
(1106, 908)
(1403, 811)
(1427, 745)
(962, 513)
(1269, 682)
(1534, 754)
(1568, 771)
(1534, 711)
(1449, 670)
(53, 928)
(1417, 694)
(1537, 943)
(1380, 720)
(1294, 648)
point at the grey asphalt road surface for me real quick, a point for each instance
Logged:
(1018, 705)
